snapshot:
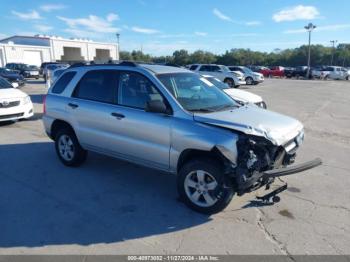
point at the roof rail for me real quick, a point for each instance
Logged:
(127, 63)
(111, 63)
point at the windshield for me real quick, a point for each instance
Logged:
(196, 93)
(4, 84)
(217, 83)
(247, 70)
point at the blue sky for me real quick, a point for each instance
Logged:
(162, 26)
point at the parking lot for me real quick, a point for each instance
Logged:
(113, 207)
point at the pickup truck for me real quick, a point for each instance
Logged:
(274, 71)
(297, 72)
(331, 72)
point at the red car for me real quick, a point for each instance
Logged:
(274, 71)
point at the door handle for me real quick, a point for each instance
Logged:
(117, 115)
(73, 106)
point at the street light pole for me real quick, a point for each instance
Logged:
(333, 49)
(309, 28)
(118, 36)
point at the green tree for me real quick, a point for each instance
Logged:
(181, 57)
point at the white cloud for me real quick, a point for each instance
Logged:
(32, 15)
(82, 33)
(299, 12)
(253, 23)
(91, 23)
(142, 30)
(112, 17)
(201, 33)
(43, 28)
(52, 7)
(224, 17)
(220, 15)
(245, 35)
(336, 27)
(173, 35)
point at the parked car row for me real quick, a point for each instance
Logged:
(27, 71)
(234, 76)
(320, 72)
(12, 76)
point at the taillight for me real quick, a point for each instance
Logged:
(44, 104)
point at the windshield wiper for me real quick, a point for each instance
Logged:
(223, 107)
(203, 110)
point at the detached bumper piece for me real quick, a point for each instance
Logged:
(266, 178)
(292, 169)
(271, 198)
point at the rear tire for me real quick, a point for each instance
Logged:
(200, 184)
(68, 148)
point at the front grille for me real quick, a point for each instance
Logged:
(11, 116)
(9, 104)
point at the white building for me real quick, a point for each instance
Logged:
(34, 50)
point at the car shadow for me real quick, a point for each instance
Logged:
(36, 81)
(6, 123)
(42, 202)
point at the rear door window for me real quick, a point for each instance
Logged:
(98, 85)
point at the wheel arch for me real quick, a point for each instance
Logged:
(190, 154)
(57, 125)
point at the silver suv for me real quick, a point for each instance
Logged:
(174, 120)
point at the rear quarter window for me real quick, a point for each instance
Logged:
(62, 83)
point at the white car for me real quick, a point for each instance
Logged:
(221, 72)
(243, 97)
(250, 77)
(14, 104)
(336, 73)
(331, 72)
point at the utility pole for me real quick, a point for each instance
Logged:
(310, 27)
(333, 49)
(118, 47)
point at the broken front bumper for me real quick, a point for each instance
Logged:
(258, 180)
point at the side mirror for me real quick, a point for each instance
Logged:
(156, 106)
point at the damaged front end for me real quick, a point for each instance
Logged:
(259, 162)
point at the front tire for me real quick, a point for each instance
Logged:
(68, 148)
(200, 184)
(249, 81)
(230, 82)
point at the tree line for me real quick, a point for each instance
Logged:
(320, 55)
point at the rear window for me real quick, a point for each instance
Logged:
(62, 83)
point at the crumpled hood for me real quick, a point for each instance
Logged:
(243, 96)
(10, 93)
(252, 120)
